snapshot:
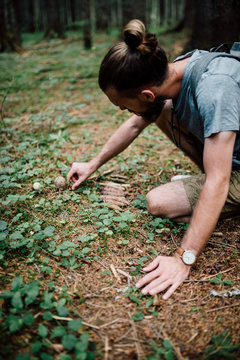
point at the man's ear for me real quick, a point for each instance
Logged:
(147, 95)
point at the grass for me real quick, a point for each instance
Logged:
(60, 298)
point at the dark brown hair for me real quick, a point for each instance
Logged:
(135, 62)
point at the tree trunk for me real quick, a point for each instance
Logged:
(139, 10)
(216, 22)
(9, 30)
(102, 11)
(87, 39)
(127, 10)
(54, 23)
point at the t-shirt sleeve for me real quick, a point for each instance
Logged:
(218, 100)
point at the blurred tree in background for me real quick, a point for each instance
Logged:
(211, 21)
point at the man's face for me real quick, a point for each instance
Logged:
(146, 109)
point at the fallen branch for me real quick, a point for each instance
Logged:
(222, 307)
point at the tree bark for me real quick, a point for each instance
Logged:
(102, 12)
(87, 38)
(54, 23)
(9, 30)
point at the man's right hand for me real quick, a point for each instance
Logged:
(79, 173)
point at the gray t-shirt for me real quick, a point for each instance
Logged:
(218, 100)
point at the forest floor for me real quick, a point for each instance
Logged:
(70, 262)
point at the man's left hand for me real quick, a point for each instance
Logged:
(164, 272)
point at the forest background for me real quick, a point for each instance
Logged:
(69, 260)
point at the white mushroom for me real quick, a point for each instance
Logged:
(60, 182)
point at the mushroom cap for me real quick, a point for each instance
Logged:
(60, 182)
(36, 186)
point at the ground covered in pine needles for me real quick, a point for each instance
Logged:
(70, 260)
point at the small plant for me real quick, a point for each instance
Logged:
(20, 305)
(218, 280)
(221, 347)
(163, 352)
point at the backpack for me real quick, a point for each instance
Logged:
(201, 65)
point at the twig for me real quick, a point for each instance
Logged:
(106, 348)
(124, 335)
(114, 271)
(99, 262)
(174, 241)
(69, 319)
(222, 307)
(137, 344)
(111, 323)
(210, 276)
(124, 273)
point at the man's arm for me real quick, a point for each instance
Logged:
(170, 272)
(119, 141)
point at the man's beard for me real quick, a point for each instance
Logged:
(154, 109)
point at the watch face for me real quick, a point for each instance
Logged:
(188, 257)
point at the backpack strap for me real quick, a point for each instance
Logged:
(200, 67)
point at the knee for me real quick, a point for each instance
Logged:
(154, 206)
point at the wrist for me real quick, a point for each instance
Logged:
(94, 165)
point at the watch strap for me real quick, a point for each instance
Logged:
(180, 251)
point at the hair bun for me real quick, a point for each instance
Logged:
(135, 37)
(134, 33)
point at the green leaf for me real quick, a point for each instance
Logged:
(65, 357)
(167, 344)
(82, 345)
(69, 341)
(228, 282)
(6, 294)
(23, 357)
(48, 231)
(42, 331)
(47, 315)
(134, 299)
(62, 310)
(75, 324)
(82, 356)
(17, 301)
(28, 319)
(17, 235)
(45, 356)
(14, 323)
(47, 300)
(16, 283)
(32, 291)
(58, 332)
(3, 225)
(36, 346)
(149, 303)
(139, 316)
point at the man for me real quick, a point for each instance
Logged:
(135, 75)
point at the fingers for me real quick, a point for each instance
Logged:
(69, 176)
(149, 277)
(156, 286)
(152, 265)
(171, 290)
(76, 184)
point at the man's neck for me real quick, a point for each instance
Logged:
(171, 86)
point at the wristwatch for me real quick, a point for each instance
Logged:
(187, 256)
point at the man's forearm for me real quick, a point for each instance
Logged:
(205, 215)
(120, 140)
